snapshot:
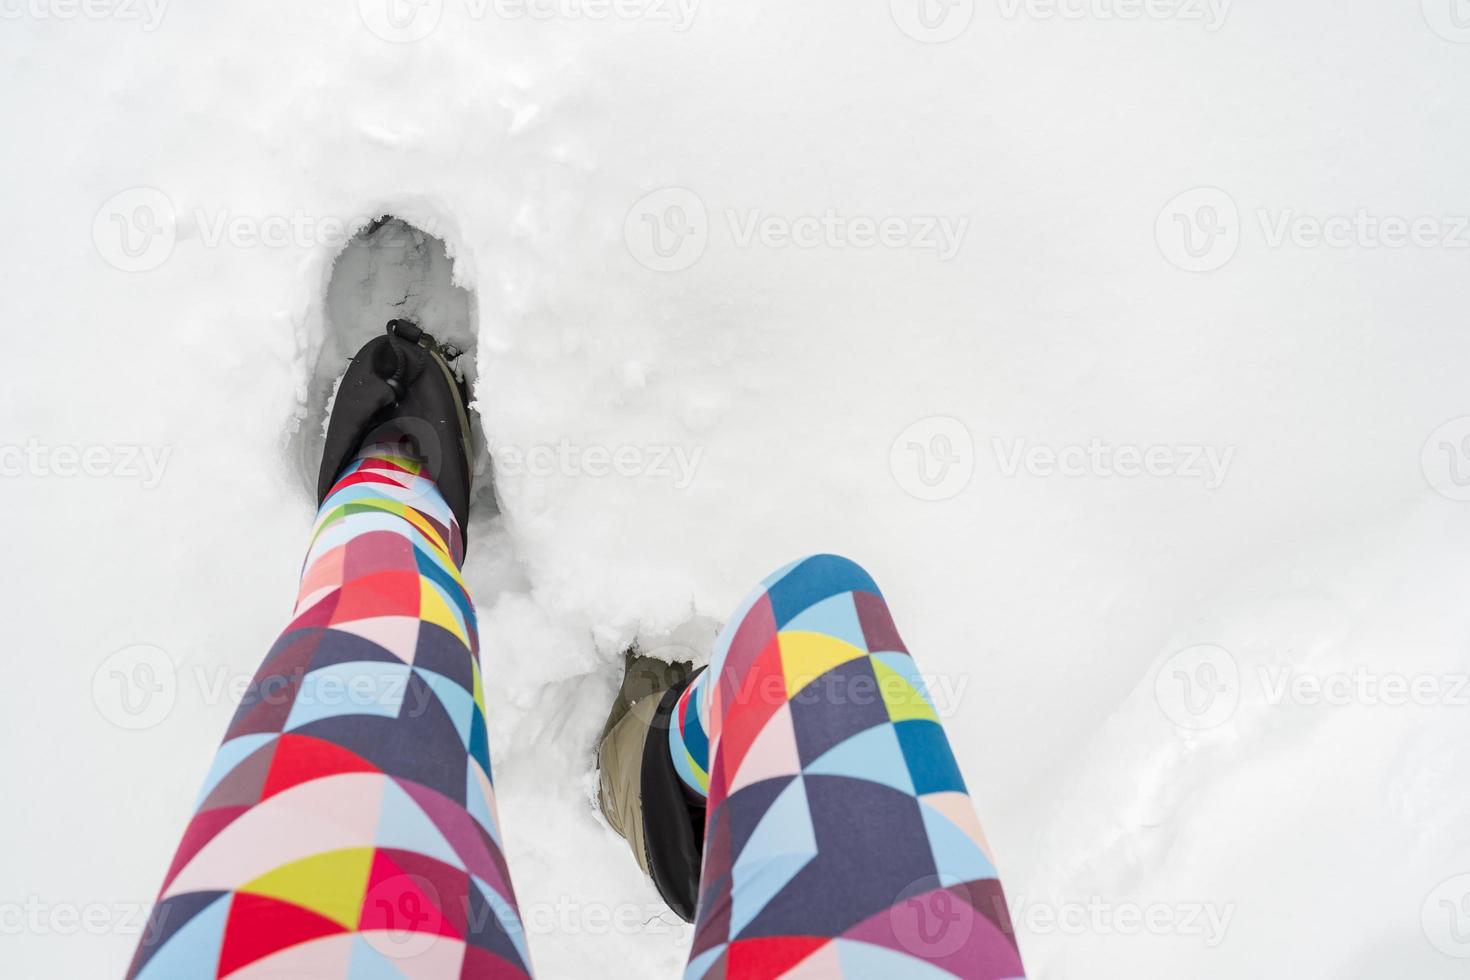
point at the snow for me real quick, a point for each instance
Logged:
(816, 388)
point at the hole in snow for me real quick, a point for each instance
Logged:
(389, 269)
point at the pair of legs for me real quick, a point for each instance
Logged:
(348, 824)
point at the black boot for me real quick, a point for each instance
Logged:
(639, 791)
(402, 384)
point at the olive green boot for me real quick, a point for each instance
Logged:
(638, 789)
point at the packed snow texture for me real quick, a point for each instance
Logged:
(830, 282)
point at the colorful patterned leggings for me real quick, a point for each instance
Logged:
(347, 827)
(839, 838)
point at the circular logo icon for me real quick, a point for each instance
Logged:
(667, 231)
(1450, 19)
(1199, 687)
(1199, 231)
(931, 922)
(1445, 459)
(932, 21)
(401, 21)
(934, 458)
(402, 917)
(135, 688)
(135, 230)
(1445, 917)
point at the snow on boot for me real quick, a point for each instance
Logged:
(639, 791)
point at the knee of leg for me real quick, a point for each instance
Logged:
(818, 576)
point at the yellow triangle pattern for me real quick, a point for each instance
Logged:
(422, 523)
(434, 608)
(904, 703)
(330, 884)
(479, 685)
(807, 656)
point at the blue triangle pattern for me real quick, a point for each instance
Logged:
(873, 754)
(369, 964)
(957, 857)
(195, 947)
(403, 825)
(458, 703)
(835, 616)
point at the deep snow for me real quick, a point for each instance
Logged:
(662, 231)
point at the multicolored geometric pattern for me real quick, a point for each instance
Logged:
(348, 825)
(840, 840)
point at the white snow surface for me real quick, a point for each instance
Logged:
(1325, 839)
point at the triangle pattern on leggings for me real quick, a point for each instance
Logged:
(330, 884)
(259, 926)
